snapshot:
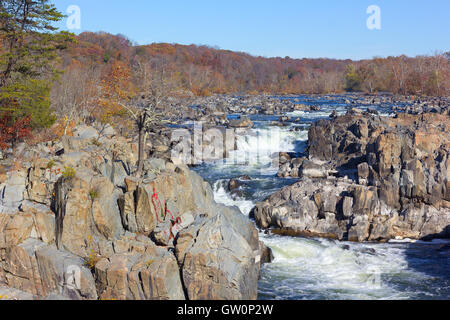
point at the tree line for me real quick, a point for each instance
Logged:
(50, 78)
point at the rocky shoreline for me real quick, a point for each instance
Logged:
(214, 111)
(367, 178)
(76, 224)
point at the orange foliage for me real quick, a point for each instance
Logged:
(13, 130)
(117, 89)
(63, 127)
(204, 70)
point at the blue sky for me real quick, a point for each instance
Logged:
(295, 28)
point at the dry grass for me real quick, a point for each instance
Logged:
(41, 136)
(92, 260)
(69, 172)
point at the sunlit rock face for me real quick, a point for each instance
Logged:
(367, 178)
(79, 225)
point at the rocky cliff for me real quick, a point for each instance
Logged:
(75, 224)
(367, 178)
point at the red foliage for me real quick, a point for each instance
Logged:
(13, 130)
(204, 70)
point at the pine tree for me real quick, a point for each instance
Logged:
(29, 45)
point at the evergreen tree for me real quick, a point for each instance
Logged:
(352, 80)
(29, 45)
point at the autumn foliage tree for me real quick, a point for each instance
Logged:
(116, 93)
(13, 130)
(202, 70)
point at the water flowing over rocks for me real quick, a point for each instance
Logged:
(75, 224)
(367, 178)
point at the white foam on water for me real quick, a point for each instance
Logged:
(434, 241)
(318, 268)
(324, 269)
(221, 195)
(311, 115)
(387, 115)
(270, 140)
(257, 151)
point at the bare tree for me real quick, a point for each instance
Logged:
(145, 118)
(74, 95)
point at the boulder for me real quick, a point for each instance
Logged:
(105, 210)
(217, 260)
(21, 267)
(310, 169)
(64, 273)
(12, 191)
(44, 220)
(136, 276)
(340, 209)
(243, 122)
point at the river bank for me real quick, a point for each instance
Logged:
(313, 268)
(106, 223)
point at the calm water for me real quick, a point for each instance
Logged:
(320, 268)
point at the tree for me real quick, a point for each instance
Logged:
(28, 38)
(117, 92)
(13, 130)
(366, 76)
(29, 46)
(75, 94)
(29, 98)
(119, 99)
(352, 80)
(145, 118)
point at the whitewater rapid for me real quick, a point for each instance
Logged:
(320, 268)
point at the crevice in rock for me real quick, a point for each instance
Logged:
(58, 206)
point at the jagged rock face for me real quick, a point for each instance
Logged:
(12, 191)
(344, 140)
(153, 275)
(82, 221)
(407, 157)
(116, 232)
(167, 196)
(219, 258)
(399, 187)
(40, 270)
(343, 210)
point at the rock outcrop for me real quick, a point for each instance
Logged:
(367, 178)
(212, 252)
(75, 224)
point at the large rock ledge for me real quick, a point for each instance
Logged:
(78, 226)
(367, 178)
(343, 210)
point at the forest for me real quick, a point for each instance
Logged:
(53, 79)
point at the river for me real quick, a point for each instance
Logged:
(318, 269)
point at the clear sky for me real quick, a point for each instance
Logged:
(295, 28)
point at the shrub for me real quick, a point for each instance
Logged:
(13, 129)
(148, 263)
(92, 260)
(69, 172)
(95, 142)
(51, 164)
(93, 193)
(30, 100)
